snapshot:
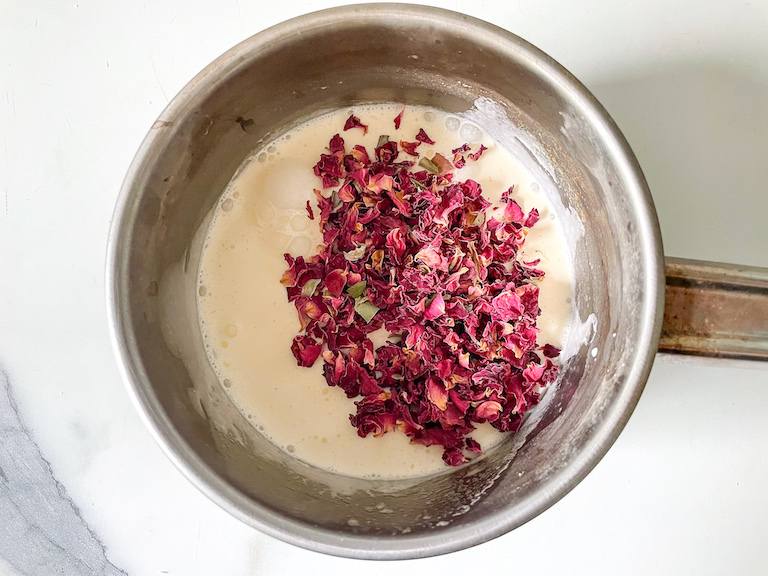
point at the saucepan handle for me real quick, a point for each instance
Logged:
(716, 310)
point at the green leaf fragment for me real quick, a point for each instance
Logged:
(364, 307)
(337, 202)
(418, 184)
(310, 287)
(358, 289)
(428, 165)
(383, 139)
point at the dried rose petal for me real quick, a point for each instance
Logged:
(533, 372)
(488, 410)
(479, 153)
(437, 393)
(414, 252)
(306, 350)
(473, 445)
(410, 147)
(336, 144)
(398, 119)
(507, 306)
(435, 309)
(309, 211)
(533, 217)
(422, 137)
(550, 351)
(387, 152)
(335, 281)
(354, 122)
(396, 243)
(513, 212)
(454, 457)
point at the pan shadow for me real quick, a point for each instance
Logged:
(700, 133)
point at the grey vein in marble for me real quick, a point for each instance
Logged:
(42, 532)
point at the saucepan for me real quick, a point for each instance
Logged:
(626, 306)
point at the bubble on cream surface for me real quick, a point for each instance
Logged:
(248, 323)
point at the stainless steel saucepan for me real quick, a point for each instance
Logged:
(417, 55)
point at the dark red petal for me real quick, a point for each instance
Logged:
(422, 137)
(306, 350)
(473, 446)
(454, 457)
(336, 144)
(335, 282)
(398, 119)
(550, 351)
(354, 122)
(479, 153)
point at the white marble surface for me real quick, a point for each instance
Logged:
(683, 491)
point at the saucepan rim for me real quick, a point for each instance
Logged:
(451, 538)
